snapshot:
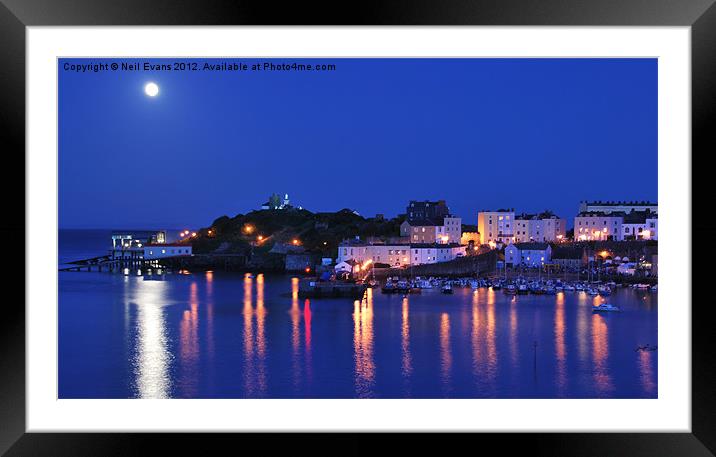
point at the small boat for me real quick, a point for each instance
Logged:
(605, 308)
(604, 291)
(446, 289)
(646, 348)
(510, 289)
(569, 288)
(388, 288)
(497, 285)
(550, 291)
(654, 288)
(592, 291)
(522, 289)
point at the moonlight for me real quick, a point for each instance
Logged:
(151, 89)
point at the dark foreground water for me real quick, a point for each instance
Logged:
(220, 335)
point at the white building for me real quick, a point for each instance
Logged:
(539, 227)
(529, 254)
(399, 255)
(496, 226)
(640, 226)
(598, 226)
(608, 207)
(164, 250)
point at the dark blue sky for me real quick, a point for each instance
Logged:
(531, 134)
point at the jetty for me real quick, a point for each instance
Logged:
(313, 288)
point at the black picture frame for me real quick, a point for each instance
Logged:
(16, 15)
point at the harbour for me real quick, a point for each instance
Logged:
(227, 335)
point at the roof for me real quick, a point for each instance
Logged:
(620, 203)
(543, 215)
(601, 214)
(565, 252)
(423, 223)
(534, 246)
(639, 217)
(161, 245)
(434, 245)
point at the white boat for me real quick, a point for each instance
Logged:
(592, 291)
(569, 288)
(605, 308)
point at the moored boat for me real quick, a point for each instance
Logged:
(605, 308)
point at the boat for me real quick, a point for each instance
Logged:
(605, 308)
(497, 285)
(446, 289)
(522, 289)
(653, 288)
(550, 290)
(592, 291)
(510, 289)
(604, 291)
(388, 288)
(569, 288)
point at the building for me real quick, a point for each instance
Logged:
(539, 227)
(130, 245)
(399, 255)
(608, 207)
(164, 250)
(431, 222)
(597, 225)
(470, 239)
(640, 225)
(275, 202)
(421, 210)
(496, 226)
(529, 254)
(569, 257)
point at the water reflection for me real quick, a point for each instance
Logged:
(260, 336)
(407, 365)
(445, 354)
(363, 346)
(559, 343)
(210, 315)
(491, 337)
(307, 331)
(152, 358)
(248, 339)
(600, 355)
(295, 314)
(646, 372)
(189, 345)
(514, 348)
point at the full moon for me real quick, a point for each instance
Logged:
(151, 89)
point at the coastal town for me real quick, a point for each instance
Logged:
(613, 240)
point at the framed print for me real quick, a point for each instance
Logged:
(453, 218)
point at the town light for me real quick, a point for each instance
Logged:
(260, 238)
(248, 228)
(308, 269)
(444, 238)
(295, 242)
(193, 234)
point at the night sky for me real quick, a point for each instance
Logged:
(532, 134)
